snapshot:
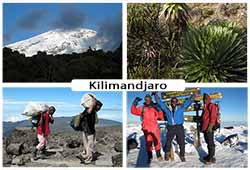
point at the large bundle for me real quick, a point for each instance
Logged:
(34, 108)
(87, 100)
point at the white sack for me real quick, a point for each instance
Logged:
(34, 108)
(87, 100)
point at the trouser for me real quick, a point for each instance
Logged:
(209, 139)
(89, 146)
(152, 139)
(43, 141)
(178, 131)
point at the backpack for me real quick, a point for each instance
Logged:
(218, 116)
(35, 120)
(75, 123)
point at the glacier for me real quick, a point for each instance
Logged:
(60, 41)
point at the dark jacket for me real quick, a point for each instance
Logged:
(88, 122)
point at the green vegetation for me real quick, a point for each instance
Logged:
(92, 64)
(214, 53)
(163, 43)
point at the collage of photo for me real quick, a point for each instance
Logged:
(45, 123)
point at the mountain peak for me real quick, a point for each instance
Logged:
(60, 41)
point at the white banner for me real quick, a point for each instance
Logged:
(127, 85)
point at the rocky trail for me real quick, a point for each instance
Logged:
(63, 148)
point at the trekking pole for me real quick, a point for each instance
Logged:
(197, 107)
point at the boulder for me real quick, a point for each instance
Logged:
(25, 148)
(102, 141)
(6, 158)
(117, 160)
(14, 149)
(72, 143)
(118, 147)
(18, 160)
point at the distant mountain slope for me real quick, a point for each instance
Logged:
(61, 125)
(60, 41)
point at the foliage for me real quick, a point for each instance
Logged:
(152, 44)
(215, 53)
(145, 40)
(163, 43)
(61, 68)
(176, 15)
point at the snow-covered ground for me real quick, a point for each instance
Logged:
(235, 155)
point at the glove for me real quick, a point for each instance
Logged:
(136, 101)
(210, 128)
(154, 93)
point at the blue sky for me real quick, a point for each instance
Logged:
(233, 104)
(24, 20)
(67, 102)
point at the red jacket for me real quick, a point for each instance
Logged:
(149, 117)
(209, 114)
(43, 126)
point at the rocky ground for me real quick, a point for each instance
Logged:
(62, 148)
(203, 13)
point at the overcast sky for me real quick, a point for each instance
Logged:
(24, 20)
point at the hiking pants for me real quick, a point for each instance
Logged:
(152, 139)
(178, 131)
(89, 146)
(43, 141)
(209, 139)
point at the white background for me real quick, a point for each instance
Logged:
(124, 64)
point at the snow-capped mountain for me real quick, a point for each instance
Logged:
(60, 41)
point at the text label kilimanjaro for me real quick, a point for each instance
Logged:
(140, 86)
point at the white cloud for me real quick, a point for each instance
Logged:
(15, 118)
(57, 103)
(14, 108)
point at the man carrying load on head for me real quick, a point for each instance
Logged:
(149, 114)
(43, 131)
(87, 126)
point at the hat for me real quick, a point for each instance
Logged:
(147, 96)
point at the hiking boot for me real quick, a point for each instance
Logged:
(210, 161)
(213, 160)
(34, 154)
(183, 159)
(44, 151)
(88, 161)
(205, 158)
(158, 155)
(159, 158)
(167, 156)
(80, 157)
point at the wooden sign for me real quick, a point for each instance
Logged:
(186, 92)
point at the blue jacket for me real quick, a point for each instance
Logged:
(178, 117)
